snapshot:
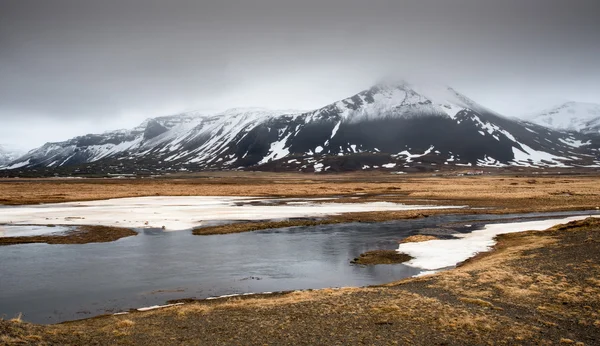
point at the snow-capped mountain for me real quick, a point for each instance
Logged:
(7, 155)
(393, 126)
(570, 116)
(94, 147)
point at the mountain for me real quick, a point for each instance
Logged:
(7, 155)
(94, 147)
(393, 126)
(570, 116)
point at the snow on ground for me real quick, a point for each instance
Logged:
(28, 231)
(154, 307)
(439, 254)
(180, 213)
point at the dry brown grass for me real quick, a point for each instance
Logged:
(333, 219)
(418, 238)
(17, 319)
(121, 324)
(510, 193)
(17, 332)
(268, 301)
(255, 226)
(381, 257)
(477, 301)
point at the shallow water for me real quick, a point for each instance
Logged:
(53, 283)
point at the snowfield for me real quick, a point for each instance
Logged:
(181, 213)
(434, 255)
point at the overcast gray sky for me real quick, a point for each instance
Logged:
(69, 67)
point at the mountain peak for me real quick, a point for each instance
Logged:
(258, 111)
(569, 116)
(400, 98)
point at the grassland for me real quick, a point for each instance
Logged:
(535, 288)
(514, 193)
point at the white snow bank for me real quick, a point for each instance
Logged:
(437, 254)
(180, 213)
(154, 307)
(8, 231)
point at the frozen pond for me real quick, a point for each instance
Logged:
(180, 213)
(52, 283)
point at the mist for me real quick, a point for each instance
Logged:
(72, 67)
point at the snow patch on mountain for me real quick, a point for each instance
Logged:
(574, 142)
(529, 157)
(409, 157)
(277, 150)
(569, 116)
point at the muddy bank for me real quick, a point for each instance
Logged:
(535, 288)
(240, 227)
(381, 257)
(80, 235)
(256, 226)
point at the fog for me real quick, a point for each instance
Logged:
(74, 67)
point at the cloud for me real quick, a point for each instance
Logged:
(93, 66)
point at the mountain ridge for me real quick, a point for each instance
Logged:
(388, 126)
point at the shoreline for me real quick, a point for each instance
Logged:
(377, 260)
(374, 258)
